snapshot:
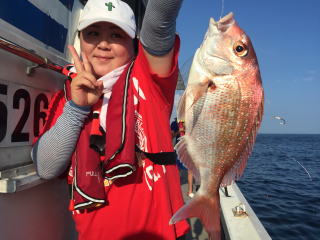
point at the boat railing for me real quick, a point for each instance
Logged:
(29, 55)
(22, 175)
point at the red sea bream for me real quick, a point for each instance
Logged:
(222, 107)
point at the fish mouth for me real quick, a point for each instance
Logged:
(224, 23)
(218, 27)
(211, 55)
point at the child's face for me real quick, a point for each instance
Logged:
(106, 46)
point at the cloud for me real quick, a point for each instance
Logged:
(311, 75)
(309, 78)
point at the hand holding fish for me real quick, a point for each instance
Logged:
(222, 108)
(85, 89)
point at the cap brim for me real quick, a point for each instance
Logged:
(84, 24)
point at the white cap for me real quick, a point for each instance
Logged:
(113, 11)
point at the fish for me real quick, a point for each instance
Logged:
(222, 110)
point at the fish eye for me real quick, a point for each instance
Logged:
(240, 49)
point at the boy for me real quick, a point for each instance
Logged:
(112, 121)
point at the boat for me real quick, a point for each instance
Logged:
(33, 46)
(34, 36)
(238, 219)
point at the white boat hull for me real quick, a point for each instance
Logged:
(32, 209)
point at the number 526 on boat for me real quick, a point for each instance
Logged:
(22, 113)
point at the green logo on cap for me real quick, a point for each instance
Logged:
(110, 6)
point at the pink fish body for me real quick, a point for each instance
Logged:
(222, 107)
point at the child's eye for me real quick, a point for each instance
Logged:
(92, 33)
(116, 35)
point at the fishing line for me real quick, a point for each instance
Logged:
(292, 158)
(283, 122)
(303, 168)
(222, 8)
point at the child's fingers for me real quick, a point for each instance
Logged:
(87, 65)
(76, 59)
(90, 77)
(84, 82)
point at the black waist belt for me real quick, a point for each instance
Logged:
(162, 158)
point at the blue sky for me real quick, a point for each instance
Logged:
(286, 38)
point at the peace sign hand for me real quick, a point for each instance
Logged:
(85, 89)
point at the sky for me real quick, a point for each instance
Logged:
(286, 38)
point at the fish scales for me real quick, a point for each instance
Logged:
(222, 108)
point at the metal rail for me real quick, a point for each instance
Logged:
(29, 55)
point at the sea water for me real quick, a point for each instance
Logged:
(282, 184)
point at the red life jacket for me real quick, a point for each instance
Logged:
(89, 168)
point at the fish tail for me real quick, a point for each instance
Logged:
(204, 208)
